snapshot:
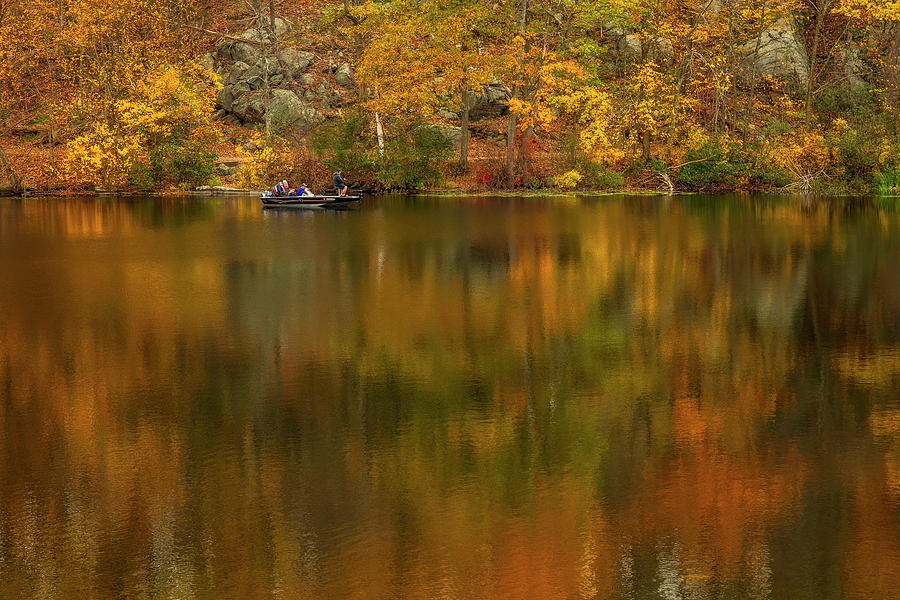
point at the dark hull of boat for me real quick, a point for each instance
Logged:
(311, 201)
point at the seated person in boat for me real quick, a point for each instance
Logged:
(304, 190)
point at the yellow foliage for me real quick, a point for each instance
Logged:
(653, 96)
(568, 180)
(696, 138)
(268, 162)
(436, 47)
(870, 10)
(169, 102)
(803, 153)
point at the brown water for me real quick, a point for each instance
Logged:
(695, 397)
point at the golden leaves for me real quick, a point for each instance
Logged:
(168, 99)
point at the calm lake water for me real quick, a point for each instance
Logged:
(623, 397)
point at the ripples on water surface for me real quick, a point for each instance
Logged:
(459, 398)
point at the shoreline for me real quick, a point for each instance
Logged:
(226, 191)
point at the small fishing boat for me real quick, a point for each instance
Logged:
(268, 200)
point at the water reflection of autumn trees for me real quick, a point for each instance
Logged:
(612, 398)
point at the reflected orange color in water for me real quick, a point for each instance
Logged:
(624, 398)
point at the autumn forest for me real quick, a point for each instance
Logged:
(476, 95)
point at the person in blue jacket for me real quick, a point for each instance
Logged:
(339, 184)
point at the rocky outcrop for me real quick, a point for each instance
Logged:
(781, 54)
(296, 100)
(286, 111)
(232, 50)
(857, 73)
(295, 62)
(452, 134)
(493, 101)
(344, 76)
(630, 46)
(249, 108)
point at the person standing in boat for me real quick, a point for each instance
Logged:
(339, 184)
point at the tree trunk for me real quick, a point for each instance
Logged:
(511, 148)
(524, 141)
(265, 31)
(749, 109)
(892, 65)
(13, 177)
(813, 59)
(464, 131)
(379, 133)
(513, 119)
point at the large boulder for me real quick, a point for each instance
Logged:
(295, 61)
(781, 54)
(249, 108)
(287, 111)
(224, 98)
(270, 65)
(856, 72)
(344, 76)
(282, 26)
(452, 134)
(236, 73)
(253, 77)
(231, 50)
(629, 46)
(492, 101)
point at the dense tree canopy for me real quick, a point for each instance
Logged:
(689, 93)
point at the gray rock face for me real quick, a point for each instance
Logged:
(629, 46)
(253, 77)
(270, 66)
(295, 61)
(282, 26)
(223, 169)
(245, 69)
(344, 76)
(491, 102)
(782, 54)
(236, 73)
(239, 88)
(856, 71)
(234, 51)
(632, 47)
(249, 108)
(452, 134)
(288, 111)
(224, 98)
